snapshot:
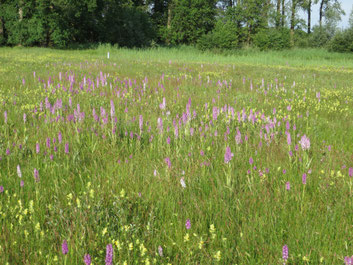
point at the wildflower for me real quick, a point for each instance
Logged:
(350, 172)
(285, 253)
(186, 237)
(304, 178)
(251, 161)
(64, 247)
(19, 173)
(112, 109)
(305, 142)
(215, 113)
(60, 137)
(217, 256)
(167, 160)
(87, 259)
(201, 243)
(22, 183)
(67, 148)
(188, 224)
(348, 260)
(160, 251)
(1, 189)
(182, 183)
(228, 155)
(24, 117)
(141, 122)
(289, 140)
(162, 105)
(287, 185)
(109, 255)
(36, 175)
(212, 229)
(37, 148)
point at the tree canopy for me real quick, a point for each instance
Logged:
(140, 23)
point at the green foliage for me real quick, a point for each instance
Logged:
(319, 37)
(272, 39)
(342, 41)
(190, 20)
(223, 36)
(131, 26)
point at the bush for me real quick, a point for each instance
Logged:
(319, 37)
(223, 36)
(275, 39)
(342, 41)
(301, 39)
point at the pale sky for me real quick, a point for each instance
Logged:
(346, 5)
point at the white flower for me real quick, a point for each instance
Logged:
(182, 183)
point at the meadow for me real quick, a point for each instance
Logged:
(174, 156)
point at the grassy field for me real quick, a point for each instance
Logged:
(173, 156)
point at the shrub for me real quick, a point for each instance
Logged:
(223, 36)
(272, 39)
(319, 37)
(342, 41)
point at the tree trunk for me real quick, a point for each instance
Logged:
(321, 12)
(278, 14)
(169, 15)
(1, 27)
(283, 13)
(20, 10)
(292, 20)
(309, 16)
(169, 21)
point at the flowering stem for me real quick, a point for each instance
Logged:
(302, 203)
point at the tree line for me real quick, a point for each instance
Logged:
(208, 24)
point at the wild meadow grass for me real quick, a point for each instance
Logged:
(169, 156)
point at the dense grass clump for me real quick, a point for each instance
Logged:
(175, 157)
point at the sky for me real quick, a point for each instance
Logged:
(346, 6)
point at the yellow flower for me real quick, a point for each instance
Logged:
(78, 203)
(186, 237)
(201, 243)
(217, 256)
(91, 193)
(131, 246)
(104, 231)
(212, 229)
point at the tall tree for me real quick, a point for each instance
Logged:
(191, 19)
(293, 9)
(2, 34)
(278, 14)
(283, 18)
(325, 4)
(308, 10)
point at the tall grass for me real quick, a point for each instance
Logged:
(175, 156)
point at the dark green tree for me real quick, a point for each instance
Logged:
(190, 19)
